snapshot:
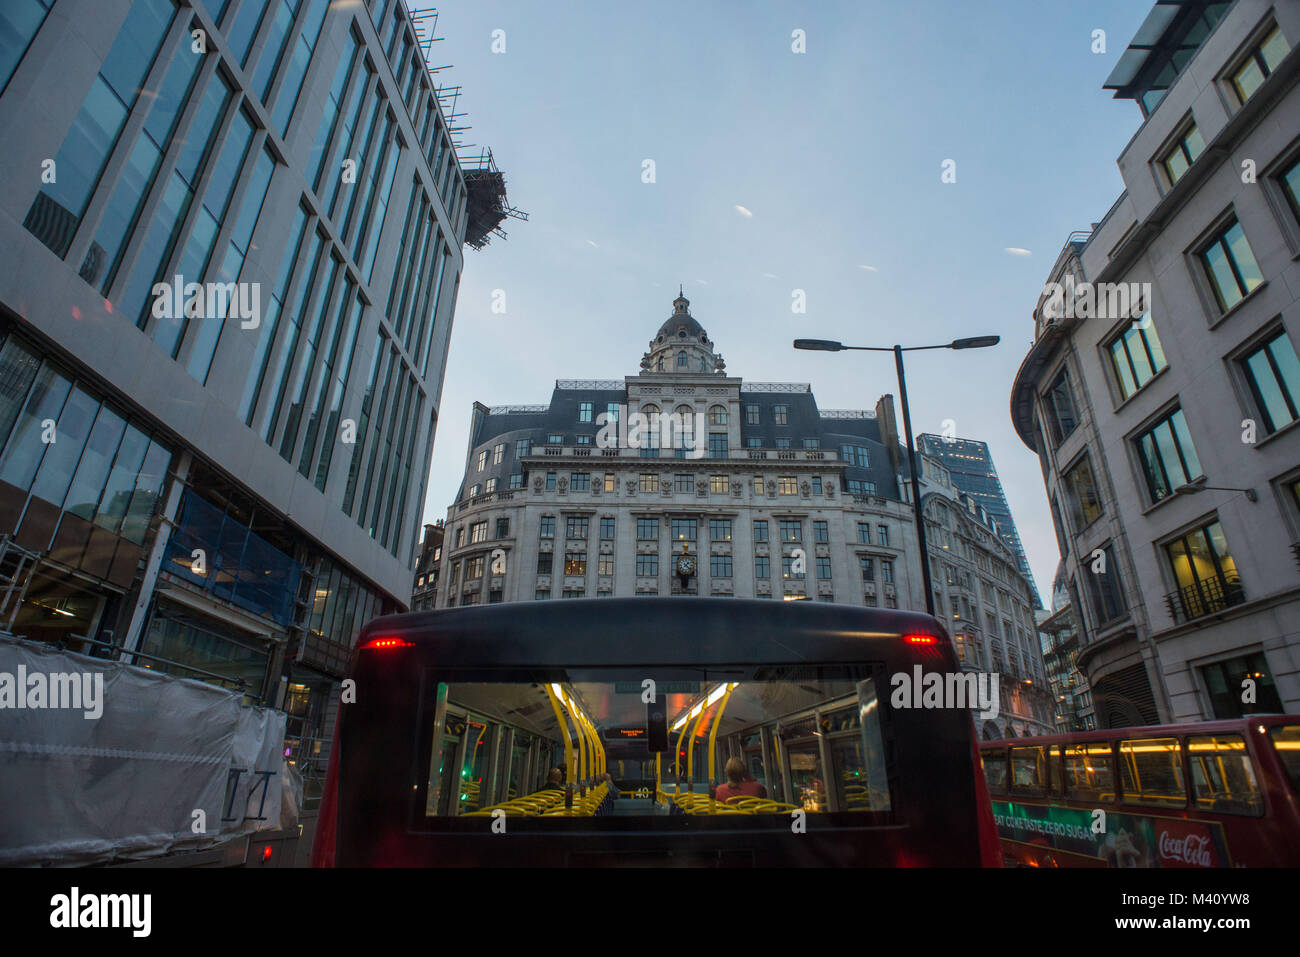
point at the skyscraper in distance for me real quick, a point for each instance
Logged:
(970, 464)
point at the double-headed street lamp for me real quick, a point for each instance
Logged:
(975, 342)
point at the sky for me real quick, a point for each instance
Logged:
(777, 171)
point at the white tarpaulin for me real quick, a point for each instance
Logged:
(100, 760)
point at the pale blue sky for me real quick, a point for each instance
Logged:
(837, 154)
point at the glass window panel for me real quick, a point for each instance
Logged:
(132, 53)
(281, 24)
(148, 486)
(19, 21)
(1151, 772)
(1273, 49)
(18, 367)
(1225, 282)
(1243, 257)
(54, 215)
(244, 28)
(96, 460)
(121, 479)
(1223, 777)
(61, 458)
(25, 450)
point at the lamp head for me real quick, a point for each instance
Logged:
(975, 342)
(819, 345)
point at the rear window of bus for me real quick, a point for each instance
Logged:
(809, 737)
(1286, 741)
(1151, 772)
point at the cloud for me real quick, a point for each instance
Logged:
(743, 211)
(701, 282)
(768, 275)
(1017, 251)
(592, 245)
(869, 268)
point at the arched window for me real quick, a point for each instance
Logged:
(718, 415)
(681, 359)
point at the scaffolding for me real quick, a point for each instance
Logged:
(488, 204)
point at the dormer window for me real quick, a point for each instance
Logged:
(681, 332)
(681, 358)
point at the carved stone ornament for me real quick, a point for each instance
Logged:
(771, 487)
(830, 489)
(804, 488)
(537, 483)
(596, 489)
(631, 486)
(562, 484)
(737, 488)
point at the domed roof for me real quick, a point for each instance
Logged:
(675, 323)
(681, 321)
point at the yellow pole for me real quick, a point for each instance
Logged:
(658, 778)
(713, 735)
(677, 754)
(582, 743)
(690, 752)
(564, 732)
(586, 734)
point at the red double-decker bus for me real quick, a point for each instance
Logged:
(1213, 794)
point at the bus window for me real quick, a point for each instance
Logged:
(1286, 741)
(1028, 770)
(995, 770)
(1151, 771)
(1089, 772)
(1223, 779)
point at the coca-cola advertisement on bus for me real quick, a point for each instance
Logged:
(1113, 839)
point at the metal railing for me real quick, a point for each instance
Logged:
(1204, 598)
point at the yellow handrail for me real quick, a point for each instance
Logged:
(564, 732)
(713, 735)
(690, 755)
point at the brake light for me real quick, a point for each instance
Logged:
(375, 644)
(266, 853)
(921, 639)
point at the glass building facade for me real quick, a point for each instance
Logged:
(223, 330)
(970, 466)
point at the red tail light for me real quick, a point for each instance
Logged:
(921, 639)
(375, 644)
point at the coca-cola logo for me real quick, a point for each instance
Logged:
(1193, 849)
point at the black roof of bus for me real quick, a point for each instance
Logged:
(656, 631)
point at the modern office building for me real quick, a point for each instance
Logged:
(1162, 392)
(427, 567)
(970, 466)
(222, 480)
(761, 495)
(986, 604)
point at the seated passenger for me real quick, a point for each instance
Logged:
(739, 783)
(554, 781)
(613, 788)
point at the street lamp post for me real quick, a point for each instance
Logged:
(976, 342)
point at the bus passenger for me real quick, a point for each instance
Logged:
(554, 780)
(739, 783)
(613, 788)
